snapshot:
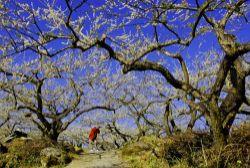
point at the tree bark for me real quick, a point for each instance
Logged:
(192, 120)
(166, 119)
(216, 123)
(53, 137)
(219, 136)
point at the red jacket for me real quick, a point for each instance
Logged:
(93, 133)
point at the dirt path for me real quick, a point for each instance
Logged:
(107, 159)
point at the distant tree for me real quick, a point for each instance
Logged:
(113, 90)
(139, 107)
(50, 93)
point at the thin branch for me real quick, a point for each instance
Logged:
(182, 62)
(200, 14)
(67, 23)
(244, 112)
(225, 19)
(5, 121)
(79, 5)
(156, 34)
(171, 30)
(66, 124)
(77, 100)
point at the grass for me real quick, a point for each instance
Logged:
(23, 153)
(188, 150)
(145, 153)
(185, 150)
(26, 153)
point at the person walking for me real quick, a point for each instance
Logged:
(92, 138)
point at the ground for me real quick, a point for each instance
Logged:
(107, 159)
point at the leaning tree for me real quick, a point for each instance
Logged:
(166, 30)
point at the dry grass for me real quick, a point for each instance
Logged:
(147, 153)
(235, 154)
(188, 150)
(26, 153)
(23, 153)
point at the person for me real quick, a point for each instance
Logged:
(92, 138)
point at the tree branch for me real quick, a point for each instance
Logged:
(182, 62)
(221, 76)
(247, 101)
(5, 121)
(233, 8)
(76, 101)
(66, 124)
(244, 112)
(147, 65)
(200, 14)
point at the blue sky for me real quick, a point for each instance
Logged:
(209, 40)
